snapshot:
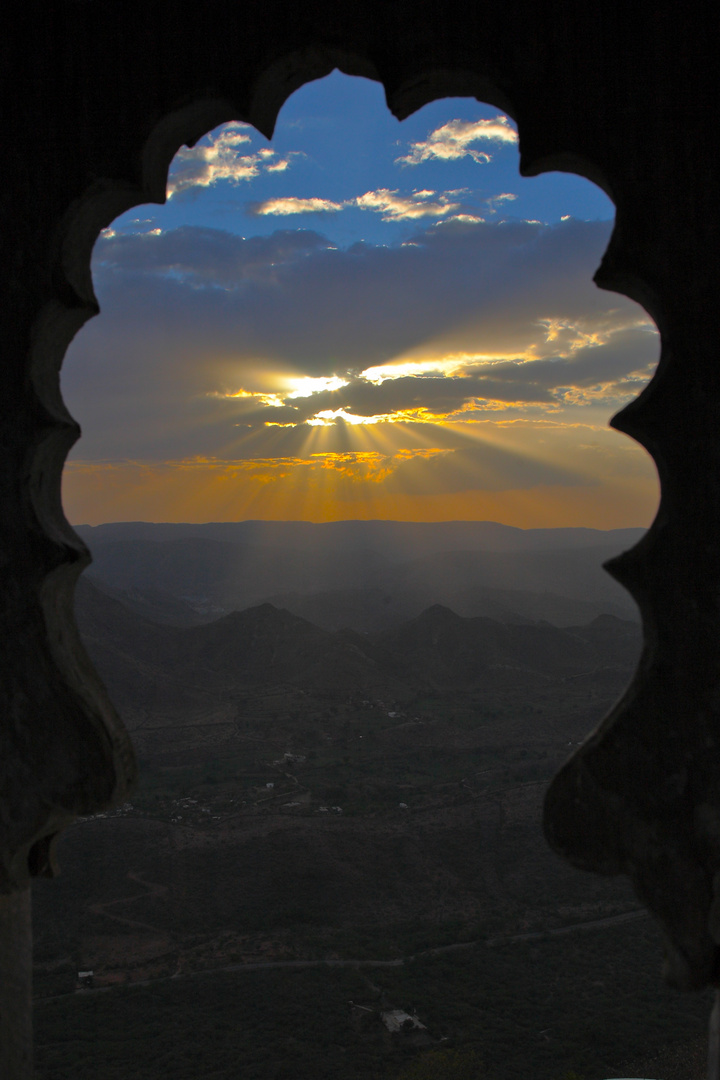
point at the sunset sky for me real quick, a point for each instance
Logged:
(361, 318)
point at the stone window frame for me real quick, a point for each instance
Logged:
(640, 796)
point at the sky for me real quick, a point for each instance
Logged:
(360, 318)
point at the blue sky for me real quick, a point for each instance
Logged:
(335, 140)
(359, 318)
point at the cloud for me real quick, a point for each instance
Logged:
(395, 207)
(219, 156)
(467, 219)
(455, 139)
(390, 203)
(482, 467)
(496, 202)
(291, 205)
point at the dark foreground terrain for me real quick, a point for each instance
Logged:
(346, 816)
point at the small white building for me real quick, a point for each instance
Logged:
(396, 1020)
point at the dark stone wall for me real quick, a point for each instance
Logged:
(97, 97)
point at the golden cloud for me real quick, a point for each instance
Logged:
(454, 140)
(219, 157)
(389, 202)
(395, 207)
(284, 207)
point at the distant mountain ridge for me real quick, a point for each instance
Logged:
(384, 571)
(394, 539)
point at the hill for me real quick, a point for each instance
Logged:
(184, 672)
(442, 648)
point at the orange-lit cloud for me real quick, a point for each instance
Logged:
(360, 485)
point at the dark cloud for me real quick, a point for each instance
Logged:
(195, 313)
(627, 353)
(350, 309)
(539, 382)
(203, 257)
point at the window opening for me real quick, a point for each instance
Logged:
(381, 327)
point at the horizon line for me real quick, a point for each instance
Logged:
(360, 521)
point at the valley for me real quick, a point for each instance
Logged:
(362, 806)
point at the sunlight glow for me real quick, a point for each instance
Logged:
(272, 400)
(440, 367)
(327, 417)
(306, 385)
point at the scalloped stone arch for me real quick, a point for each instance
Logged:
(93, 211)
(104, 201)
(641, 796)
